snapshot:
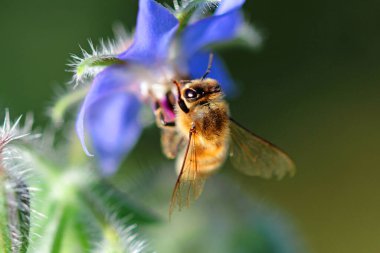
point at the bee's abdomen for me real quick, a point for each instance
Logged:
(211, 156)
(212, 139)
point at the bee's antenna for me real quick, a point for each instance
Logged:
(210, 58)
(181, 103)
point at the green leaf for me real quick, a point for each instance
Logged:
(51, 233)
(107, 200)
(114, 213)
(119, 239)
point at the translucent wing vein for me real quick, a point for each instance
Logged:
(189, 184)
(255, 156)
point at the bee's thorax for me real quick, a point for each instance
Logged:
(211, 122)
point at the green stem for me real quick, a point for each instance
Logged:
(22, 197)
(5, 240)
(51, 238)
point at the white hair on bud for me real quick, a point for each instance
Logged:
(205, 5)
(107, 49)
(10, 132)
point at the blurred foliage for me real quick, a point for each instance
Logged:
(313, 89)
(53, 204)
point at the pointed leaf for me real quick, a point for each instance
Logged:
(109, 201)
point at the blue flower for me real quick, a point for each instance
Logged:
(160, 52)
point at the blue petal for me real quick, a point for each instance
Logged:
(228, 5)
(197, 66)
(110, 115)
(155, 29)
(222, 26)
(114, 126)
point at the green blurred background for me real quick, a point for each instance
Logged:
(313, 89)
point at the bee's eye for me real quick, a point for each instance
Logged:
(191, 94)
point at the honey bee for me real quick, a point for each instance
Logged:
(203, 135)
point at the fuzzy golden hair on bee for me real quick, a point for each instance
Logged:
(207, 110)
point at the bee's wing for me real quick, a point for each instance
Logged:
(189, 184)
(255, 156)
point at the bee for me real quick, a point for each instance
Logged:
(203, 135)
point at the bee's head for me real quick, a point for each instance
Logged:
(201, 91)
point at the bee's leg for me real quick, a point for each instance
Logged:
(170, 97)
(170, 142)
(160, 118)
